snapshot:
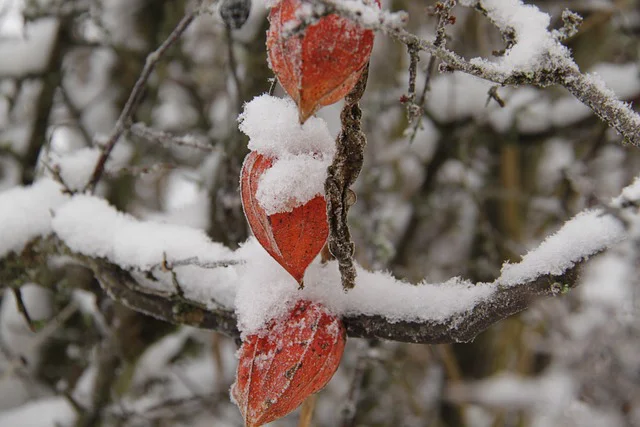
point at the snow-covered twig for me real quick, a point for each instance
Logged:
(536, 56)
(154, 135)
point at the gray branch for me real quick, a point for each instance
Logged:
(122, 286)
(557, 69)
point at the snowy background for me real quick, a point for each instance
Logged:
(469, 199)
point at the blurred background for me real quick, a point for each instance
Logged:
(457, 191)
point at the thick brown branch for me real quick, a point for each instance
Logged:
(506, 301)
(122, 287)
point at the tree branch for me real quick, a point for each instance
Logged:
(506, 301)
(135, 97)
(554, 69)
(122, 287)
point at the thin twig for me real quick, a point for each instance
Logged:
(306, 412)
(76, 114)
(22, 308)
(147, 133)
(350, 406)
(198, 263)
(443, 12)
(135, 97)
(233, 67)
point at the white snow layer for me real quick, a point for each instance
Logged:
(300, 153)
(75, 168)
(48, 412)
(272, 125)
(259, 288)
(89, 225)
(291, 182)
(586, 234)
(25, 213)
(29, 53)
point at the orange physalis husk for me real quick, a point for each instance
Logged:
(292, 238)
(321, 65)
(296, 357)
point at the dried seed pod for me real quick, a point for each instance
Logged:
(292, 238)
(296, 357)
(322, 64)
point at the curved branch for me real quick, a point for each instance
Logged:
(507, 301)
(120, 285)
(548, 271)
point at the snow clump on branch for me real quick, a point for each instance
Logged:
(533, 45)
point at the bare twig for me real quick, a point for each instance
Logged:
(154, 135)
(76, 114)
(135, 96)
(571, 25)
(122, 287)
(306, 412)
(51, 79)
(443, 12)
(202, 264)
(233, 67)
(493, 94)
(22, 309)
(350, 406)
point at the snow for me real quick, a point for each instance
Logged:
(89, 225)
(301, 153)
(75, 168)
(550, 392)
(457, 96)
(607, 281)
(48, 412)
(631, 193)
(267, 291)
(29, 53)
(534, 43)
(291, 182)
(260, 289)
(589, 232)
(17, 228)
(22, 348)
(273, 129)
